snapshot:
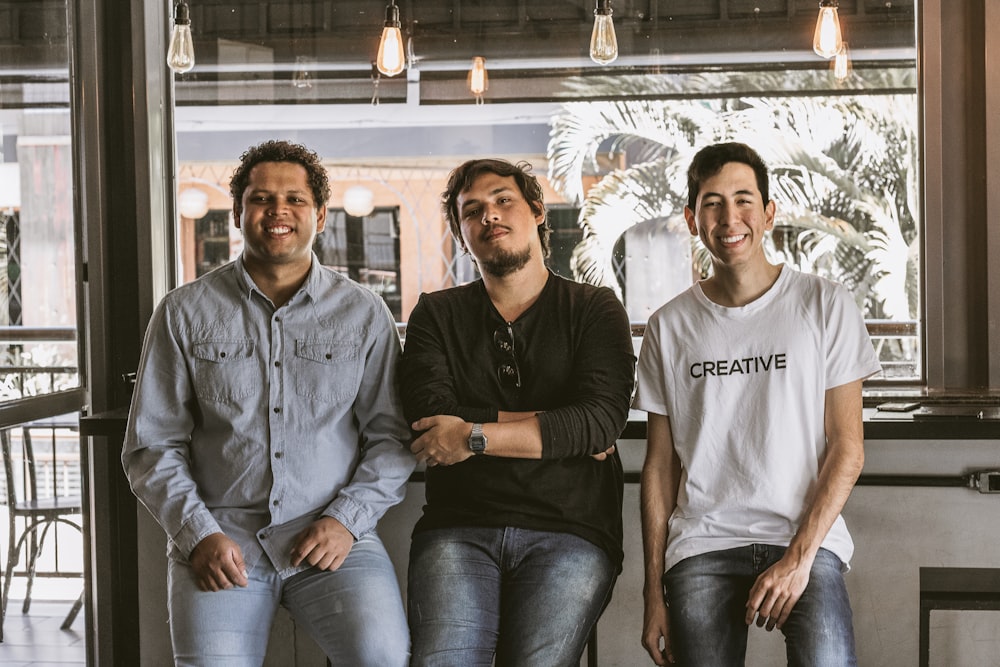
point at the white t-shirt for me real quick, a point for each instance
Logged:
(744, 389)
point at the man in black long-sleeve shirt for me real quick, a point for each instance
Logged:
(519, 385)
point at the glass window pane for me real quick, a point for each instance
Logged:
(38, 318)
(610, 143)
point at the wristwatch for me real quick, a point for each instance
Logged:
(477, 441)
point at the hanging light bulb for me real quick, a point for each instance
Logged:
(827, 38)
(842, 63)
(603, 43)
(391, 56)
(180, 55)
(479, 80)
(376, 77)
(302, 77)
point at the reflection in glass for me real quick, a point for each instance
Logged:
(609, 145)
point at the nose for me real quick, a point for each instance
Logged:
(276, 208)
(489, 215)
(730, 214)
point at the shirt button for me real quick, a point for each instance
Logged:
(277, 410)
(277, 364)
(277, 319)
(276, 502)
(277, 455)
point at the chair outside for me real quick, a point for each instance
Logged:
(38, 509)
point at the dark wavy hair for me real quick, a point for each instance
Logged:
(710, 160)
(280, 151)
(461, 179)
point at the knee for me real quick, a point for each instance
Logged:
(389, 652)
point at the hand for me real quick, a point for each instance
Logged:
(776, 591)
(600, 456)
(444, 441)
(217, 562)
(324, 545)
(656, 629)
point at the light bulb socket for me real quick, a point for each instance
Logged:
(392, 16)
(828, 3)
(603, 8)
(182, 14)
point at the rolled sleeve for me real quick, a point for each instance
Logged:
(603, 377)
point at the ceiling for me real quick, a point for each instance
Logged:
(442, 32)
(343, 34)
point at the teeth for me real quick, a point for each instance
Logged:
(279, 230)
(732, 239)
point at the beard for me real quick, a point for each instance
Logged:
(505, 262)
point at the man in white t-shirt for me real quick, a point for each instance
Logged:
(752, 381)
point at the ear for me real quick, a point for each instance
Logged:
(321, 219)
(769, 212)
(539, 212)
(236, 216)
(691, 222)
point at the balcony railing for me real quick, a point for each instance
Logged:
(37, 360)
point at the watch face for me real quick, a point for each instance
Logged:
(477, 441)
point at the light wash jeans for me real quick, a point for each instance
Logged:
(530, 597)
(354, 613)
(707, 596)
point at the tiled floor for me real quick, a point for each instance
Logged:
(36, 638)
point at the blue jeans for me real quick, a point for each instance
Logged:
(530, 597)
(707, 596)
(354, 613)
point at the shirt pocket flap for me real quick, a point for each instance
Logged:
(326, 352)
(221, 351)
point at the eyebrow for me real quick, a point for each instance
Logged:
(494, 191)
(297, 192)
(706, 195)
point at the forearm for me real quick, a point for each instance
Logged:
(508, 416)
(655, 512)
(659, 486)
(162, 483)
(514, 438)
(838, 474)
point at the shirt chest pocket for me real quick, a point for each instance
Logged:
(327, 371)
(224, 371)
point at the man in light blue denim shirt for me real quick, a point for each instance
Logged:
(267, 438)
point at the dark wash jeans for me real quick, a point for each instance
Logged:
(531, 597)
(707, 596)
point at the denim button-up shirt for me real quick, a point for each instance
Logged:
(256, 421)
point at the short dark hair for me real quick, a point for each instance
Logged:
(710, 160)
(280, 151)
(461, 179)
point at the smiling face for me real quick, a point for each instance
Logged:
(278, 216)
(498, 225)
(731, 217)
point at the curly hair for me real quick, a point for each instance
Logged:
(280, 151)
(710, 160)
(461, 179)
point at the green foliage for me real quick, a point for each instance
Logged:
(843, 169)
